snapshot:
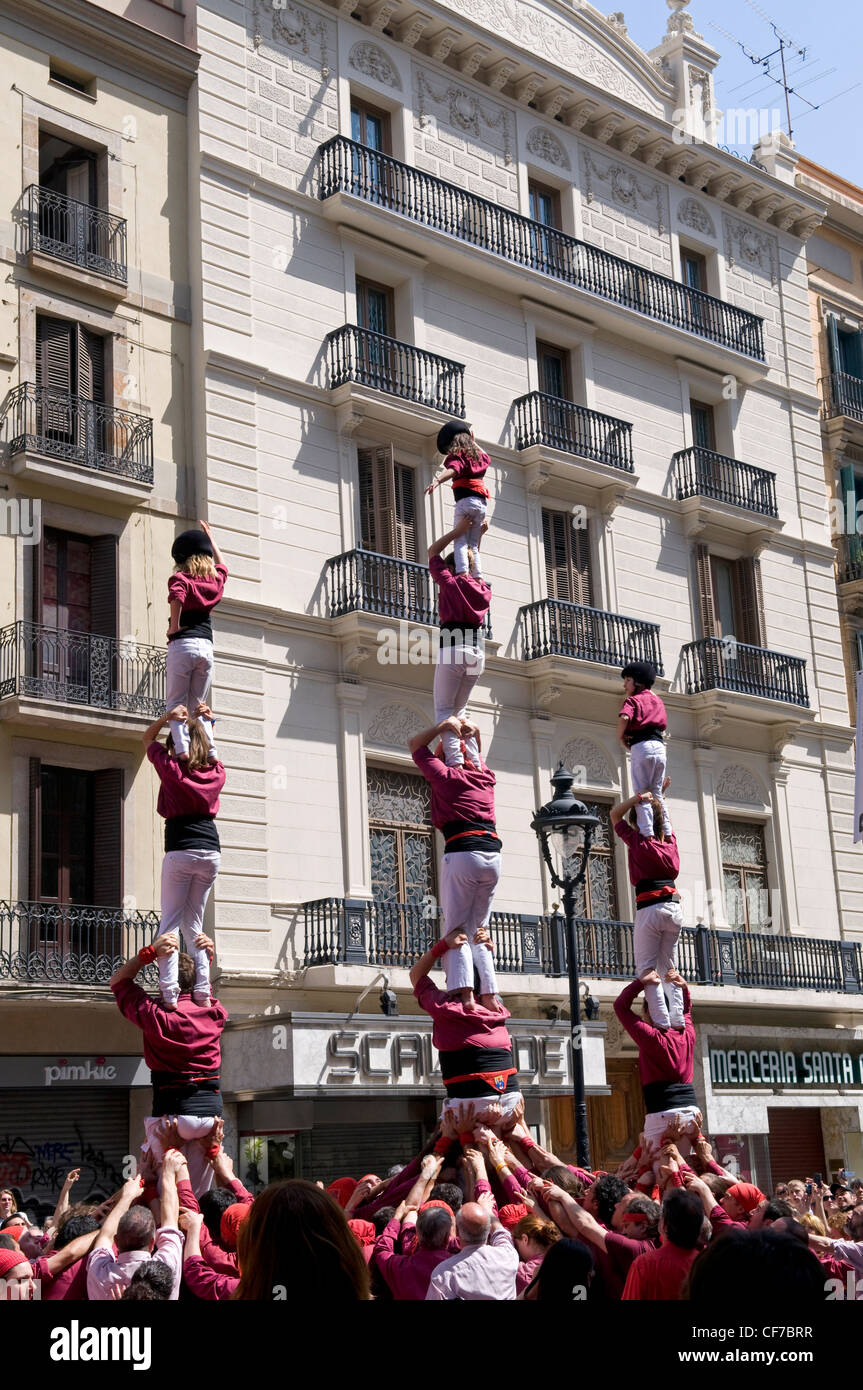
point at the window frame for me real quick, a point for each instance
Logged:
(743, 869)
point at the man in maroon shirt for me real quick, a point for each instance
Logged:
(408, 1274)
(632, 1233)
(654, 864)
(666, 1062)
(182, 1048)
(661, 1274)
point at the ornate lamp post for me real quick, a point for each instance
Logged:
(565, 830)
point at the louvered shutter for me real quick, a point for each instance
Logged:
(90, 354)
(557, 567)
(405, 513)
(704, 582)
(377, 502)
(103, 586)
(54, 354)
(748, 600)
(833, 344)
(582, 581)
(34, 845)
(108, 837)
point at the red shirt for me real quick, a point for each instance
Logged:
(659, 1274)
(648, 858)
(455, 1027)
(614, 1262)
(662, 1056)
(201, 593)
(184, 1040)
(185, 793)
(461, 598)
(70, 1284)
(457, 793)
(644, 711)
(469, 472)
(407, 1276)
(205, 1283)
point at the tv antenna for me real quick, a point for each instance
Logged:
(785, 44)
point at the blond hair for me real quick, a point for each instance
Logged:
(813, 1223)
(198, 567)
(199, 746)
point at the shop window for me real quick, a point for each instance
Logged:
(744, 875)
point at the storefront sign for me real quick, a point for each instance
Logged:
(770, 1067)
(64, 1071)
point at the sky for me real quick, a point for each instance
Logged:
(830, 75)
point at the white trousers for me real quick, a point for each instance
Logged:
(647, 764)
(188, 673)
(189, 1127)
(468, 880)
(478, 1104)
(458, 669)
(187, 877)
(656, 933)
(475, 508)
(656, 1125)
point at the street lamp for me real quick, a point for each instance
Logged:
(565, 829)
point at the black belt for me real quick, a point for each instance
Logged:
(644, 735)
(455, 635)
(464, 835)
(656, 890)
(667, 1095)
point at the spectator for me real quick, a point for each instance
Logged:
(756, 1265)
(8, 1205)
(485, 1268)
(152, 1282)
(134, 1229)
(662, 1273)
(533, 1238)
(631, 1232)
(408, 1275)
(849, 1249)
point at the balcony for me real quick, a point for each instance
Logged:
(850, 559)
(375, 372)
(75, 240)
(722, 663)
(56, 677)
(58, 437)
(395, 935)
(361, 581)
(728, 487)
(554, 628)
(568, 442)
(62, 944)
(842, 394)
(357, 183)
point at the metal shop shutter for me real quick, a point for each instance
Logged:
(334, 1151)
(45, 1133)
(795, 1143)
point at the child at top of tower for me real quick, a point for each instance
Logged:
(194, 589)
(641, 727)
(466, 464)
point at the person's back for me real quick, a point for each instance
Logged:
(485, 1268)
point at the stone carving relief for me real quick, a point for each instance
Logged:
(524, 24)
(290, 26)
(736, 784)
(584, 753)
(393, 725)
(464, 111)
(545, 146)
(693, 214)
(625, 188)
(750, 247)
(373, 62)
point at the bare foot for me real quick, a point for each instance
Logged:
(467, 999)
(489, 1001)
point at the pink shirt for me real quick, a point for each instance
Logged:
(185, 1040)
(455, 1027)
(644, 711)
(662, 1056)
(457, 793)
(648, 858)
(461, 598)
(185, 793)
(198, 594)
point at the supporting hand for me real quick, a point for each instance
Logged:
(166, 944)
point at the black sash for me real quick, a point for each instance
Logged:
(174, 1094)
(667, 1095)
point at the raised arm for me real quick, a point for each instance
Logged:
(174, 1167)
(207, 530)
(63, 1200)
(439, 546)
(131, 1189)
(423, 739)
(151, 735)
(162, 946)
(443, 477)
(422, 967)
(618, 812)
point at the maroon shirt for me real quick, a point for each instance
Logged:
(457, 793)
(198, 594)
(662, 1056)
(614, 1262)
(644, 711)
(185, 793)
(469, 472)
(659, 1274)
(205, 1283)
(455, 1027)
(70, 1284)
(184, 1040)
(461, 598)
(407, 1276)
(647, 857)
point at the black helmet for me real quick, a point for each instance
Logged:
(448, 432)
(191, 543)
(642, 673)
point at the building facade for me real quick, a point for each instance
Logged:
(94, 355)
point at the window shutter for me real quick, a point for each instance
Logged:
(108, 837)
(704, 580)
(557, 560)
(54, 354)
(582, 584)
(748, 600)
(34, 848)
(833, 344)
(405, 513)
(103, 586)
(90, 349)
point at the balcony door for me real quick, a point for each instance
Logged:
(69, 180)
(75, 858)
(396, 586)
(401, 841)
(546, 250)
(554, 383)
(845, 349)
(370, 127)
(70, 381)
(731, 608)
(377, 358)
(71, 651)
(569, 579)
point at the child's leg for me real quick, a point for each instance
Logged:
(655, 771)
(175, 888)
(447, 682)
(455, 901)
(640, 770)
(203, 870)
(647, 933)
(486, 868)
(178, 665)
(666, 959)
(200, 678)
(194, 1130)
(469, 663)
(460, 544)
(474, 536)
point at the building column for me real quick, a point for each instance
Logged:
(543, 732)
(355, 843)
(712, 909)
(783, 843)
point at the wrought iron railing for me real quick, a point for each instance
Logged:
(348, 167)
(723, 663)
(702, 473)
(81, 668)
(399, 369)
(98, 436)
(75, 232)
(552, 627)
(842, 394)
(59, 943)
(339, 930)
(850, 558)
(362, 581)
(559, 424)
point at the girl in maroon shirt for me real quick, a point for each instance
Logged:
(194, 589)
(466, 464)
